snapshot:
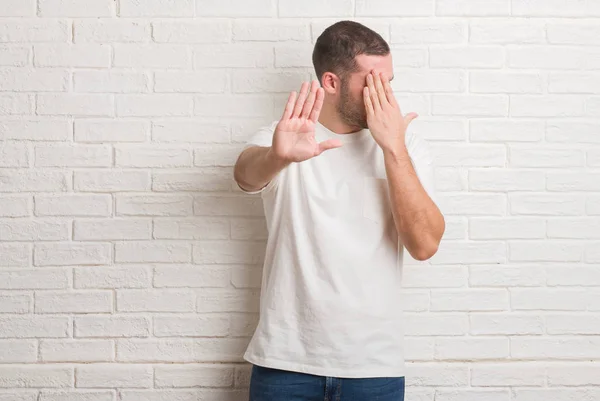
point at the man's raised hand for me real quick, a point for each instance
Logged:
(294, 137)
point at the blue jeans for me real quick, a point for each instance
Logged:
(268, 384)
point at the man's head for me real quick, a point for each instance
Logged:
(344, 54)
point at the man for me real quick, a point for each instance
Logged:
(345, 190)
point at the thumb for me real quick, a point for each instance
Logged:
(328, 144)
(409, 117)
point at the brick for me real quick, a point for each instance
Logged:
(228, 206)
(459, 252)
(151, 56)
(14, 56)
(536, 156)
(190, 131)
(399, 8)
(574, 325)
(18, 351)
(113, 375)
(428, 32)
(15, 255)
(409, 57)
(568, 276)
(450, 155)
(456, 228)
(166, 105)
(466, 57)
(209, 252)
(112, 277)
(230, 8)
(76, 8)
(111, 181)
(75, 104)
(183, 395)
(33, 180)
(427, 374)
(505, 324)
(440, 129)
(73, 302)
(169, 350)
(574, 374)
(216, 155)
(191, 326)
(469, 300)
(472, 8)
(34, 327)
(573, 181)
(246, 277)
(18, 8)
(434, 277)
(506, 276)
(111, 326)
(73, 205)
(34, 279)
(553, 57)
(296, 55)
(14, 154)
(16, 303)
(156, 8)
(191, 82)
(582, 228)
(34, 80)
(555, 8)
(15, 205)
(76, 350)
(508, 374)
(573, 83)
(501, 82)
(490, 130)
(449, 179)
(546, 205)
(219, 349)
(249, 229)
(193, 376)
(472, 395)
(592, 106)
(205, 179)
(73, 156)
(507, 31)
(66, 55)
(152, 251)
(414, 80)
(416, 301)
(232, 105)
(236, 55)
(193, 228)
(514, 228)
(49, 376)
(15, 104)
(262, 81)
(418, 349)
(543, 348)
(34, 30)
(593, 158)
(541, 299)
(218, 300)
(217, 31)
(545, 251)
(436, 324)
(67, 254)
(155, 301)
(556, 394)
(470, 105)
(112, 229)
(546, 106)
(152, 156)
(106, 82)
(571, 33)
(501, 180)
(76, 396)
(270, 30)
(111, 131)
(46, 130)
(473, 204)
(243, 324)
(470, 348)
(154, 205)
(110, 30)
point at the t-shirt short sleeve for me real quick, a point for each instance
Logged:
(422, 161)
(262, 137)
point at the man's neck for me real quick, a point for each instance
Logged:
(331, 120)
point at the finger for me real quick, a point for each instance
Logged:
(389, 93)
(316, 110)
(289, 107)
(409, 117)
(301, 99)
(329, 144)
(373, 93)
(310, 100)
(380, 90)
(367, 99)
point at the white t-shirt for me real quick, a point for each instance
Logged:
(331, 301)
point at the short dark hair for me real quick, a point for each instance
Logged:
(337, 47)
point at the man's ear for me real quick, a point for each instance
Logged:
(331, 83)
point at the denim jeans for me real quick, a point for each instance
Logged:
(268, 384)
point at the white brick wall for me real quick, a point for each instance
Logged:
(130, 262)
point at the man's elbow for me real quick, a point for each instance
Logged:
(424, 251)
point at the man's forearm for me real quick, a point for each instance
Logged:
(256, 167)
(419, 222)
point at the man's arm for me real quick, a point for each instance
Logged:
(419, 222)
(256, 167)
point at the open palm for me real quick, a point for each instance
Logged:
(294, 137)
